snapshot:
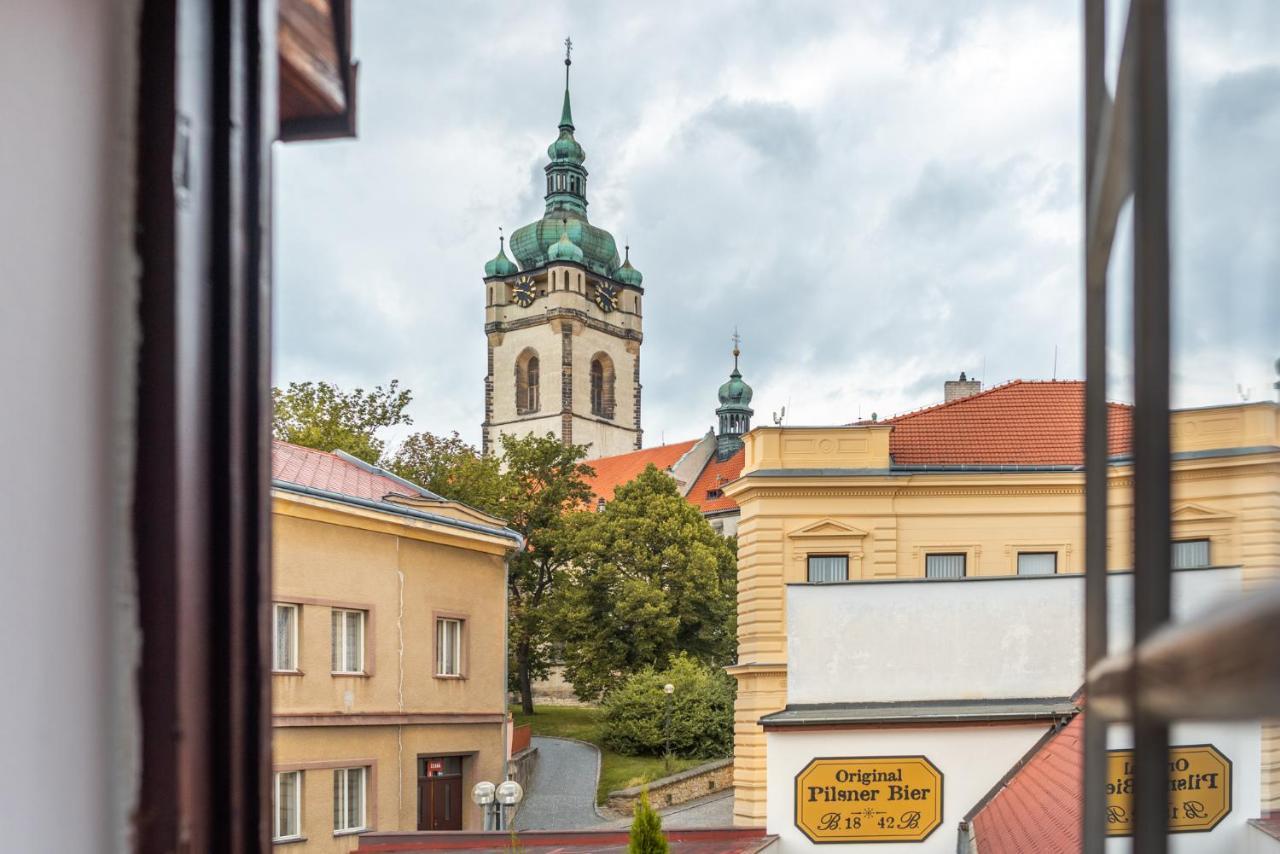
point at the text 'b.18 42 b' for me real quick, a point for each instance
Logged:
(869, 799)
(1199, 789)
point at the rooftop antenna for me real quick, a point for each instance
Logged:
(779, 416)
(1245, 393)
(1055, 361)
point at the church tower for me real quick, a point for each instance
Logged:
(563, 320)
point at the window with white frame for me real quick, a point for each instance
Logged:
(347, 641)
(1190, 554)
(288, 805)
(448, 646)
(285, 655)
(348, 799)
(826, 568)
(1037, 563)
(944, 566)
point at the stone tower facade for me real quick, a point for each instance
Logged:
(564, 321)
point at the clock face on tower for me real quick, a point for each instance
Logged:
(606, 297)
(523, 292)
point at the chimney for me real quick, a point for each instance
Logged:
(963, 387)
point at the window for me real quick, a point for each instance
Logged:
(348, 799)
(528, 382)
(1190, 554)
(285, 657)
(288, 805)
(602, 386)
(347, 643)
(826, 568)
(944, 566)
(1037, 563)
(448, 646)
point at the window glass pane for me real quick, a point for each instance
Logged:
(335, 642)
(1188, 554)
(354, 641)
(824, 568)
(355, 798)
(287, 784)
(338, 788)
(1037, 563)
(944, 566)
(284, 644)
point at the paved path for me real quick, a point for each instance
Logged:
(562, 794)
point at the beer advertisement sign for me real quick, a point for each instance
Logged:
(1199, 789)
(869, 799)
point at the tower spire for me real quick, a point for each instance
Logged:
(566, 114)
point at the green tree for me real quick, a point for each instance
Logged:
(323, 416)
(451, 468)
(651, 579)
(543, 480)
(646, 829)
(695, 720)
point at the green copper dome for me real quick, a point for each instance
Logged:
(564, 249)
(500, 264)
(627, 274)
(735, 394)
(566, 210)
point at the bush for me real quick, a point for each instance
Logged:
(646, 830)
(635, 715)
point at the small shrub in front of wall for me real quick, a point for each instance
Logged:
(646, 830)
(701, 727)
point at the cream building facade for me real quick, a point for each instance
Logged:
(564, 324)
(388, 683)
(986, 485)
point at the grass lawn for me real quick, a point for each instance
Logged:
(583, 723)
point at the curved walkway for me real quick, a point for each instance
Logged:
(562, 794)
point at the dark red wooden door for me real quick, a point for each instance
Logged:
(440, 802)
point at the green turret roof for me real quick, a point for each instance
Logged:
(565, 249)
(627, 274)
(500, 264)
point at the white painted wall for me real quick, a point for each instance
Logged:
(869, 641)
(67, 350)
(971, 761)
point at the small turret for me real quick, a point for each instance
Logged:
(735, 409)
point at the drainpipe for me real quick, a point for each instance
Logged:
(964, 839)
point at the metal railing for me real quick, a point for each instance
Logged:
(1225, 666)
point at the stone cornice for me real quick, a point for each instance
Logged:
(572, 314)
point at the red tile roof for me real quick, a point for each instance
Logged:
(323, 470)
(1023, 422)
(612, 472)
(1038, 809)
(714, 475)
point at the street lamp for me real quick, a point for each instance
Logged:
(668, 689)
(495, 800)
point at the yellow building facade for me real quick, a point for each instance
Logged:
(389, 679)
(871, 505)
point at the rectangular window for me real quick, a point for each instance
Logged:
(825, 568)
(285, 656)
(1037, 563)
(288, 805)
(348, 641)
(448, 647)
(1190, 554)
(348, 798)
(944, 566)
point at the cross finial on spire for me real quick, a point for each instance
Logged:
(568, 51)
(737, 339)
(501, 237)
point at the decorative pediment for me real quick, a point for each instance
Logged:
(827, 529)
(1198, 513)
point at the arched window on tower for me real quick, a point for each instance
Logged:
(527, 383)
(602, 381)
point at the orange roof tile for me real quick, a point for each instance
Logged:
(323, 470)
(706, 494)
(612, 472)
(1023, 422)
(1038, 808)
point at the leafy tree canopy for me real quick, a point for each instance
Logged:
(652, 579)
(323, 416)
(451, 468)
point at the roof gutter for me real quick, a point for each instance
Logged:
(396, 510)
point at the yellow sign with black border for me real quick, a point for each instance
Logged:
(868, 799)
(1199, 789)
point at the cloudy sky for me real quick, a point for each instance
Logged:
(878, 194)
